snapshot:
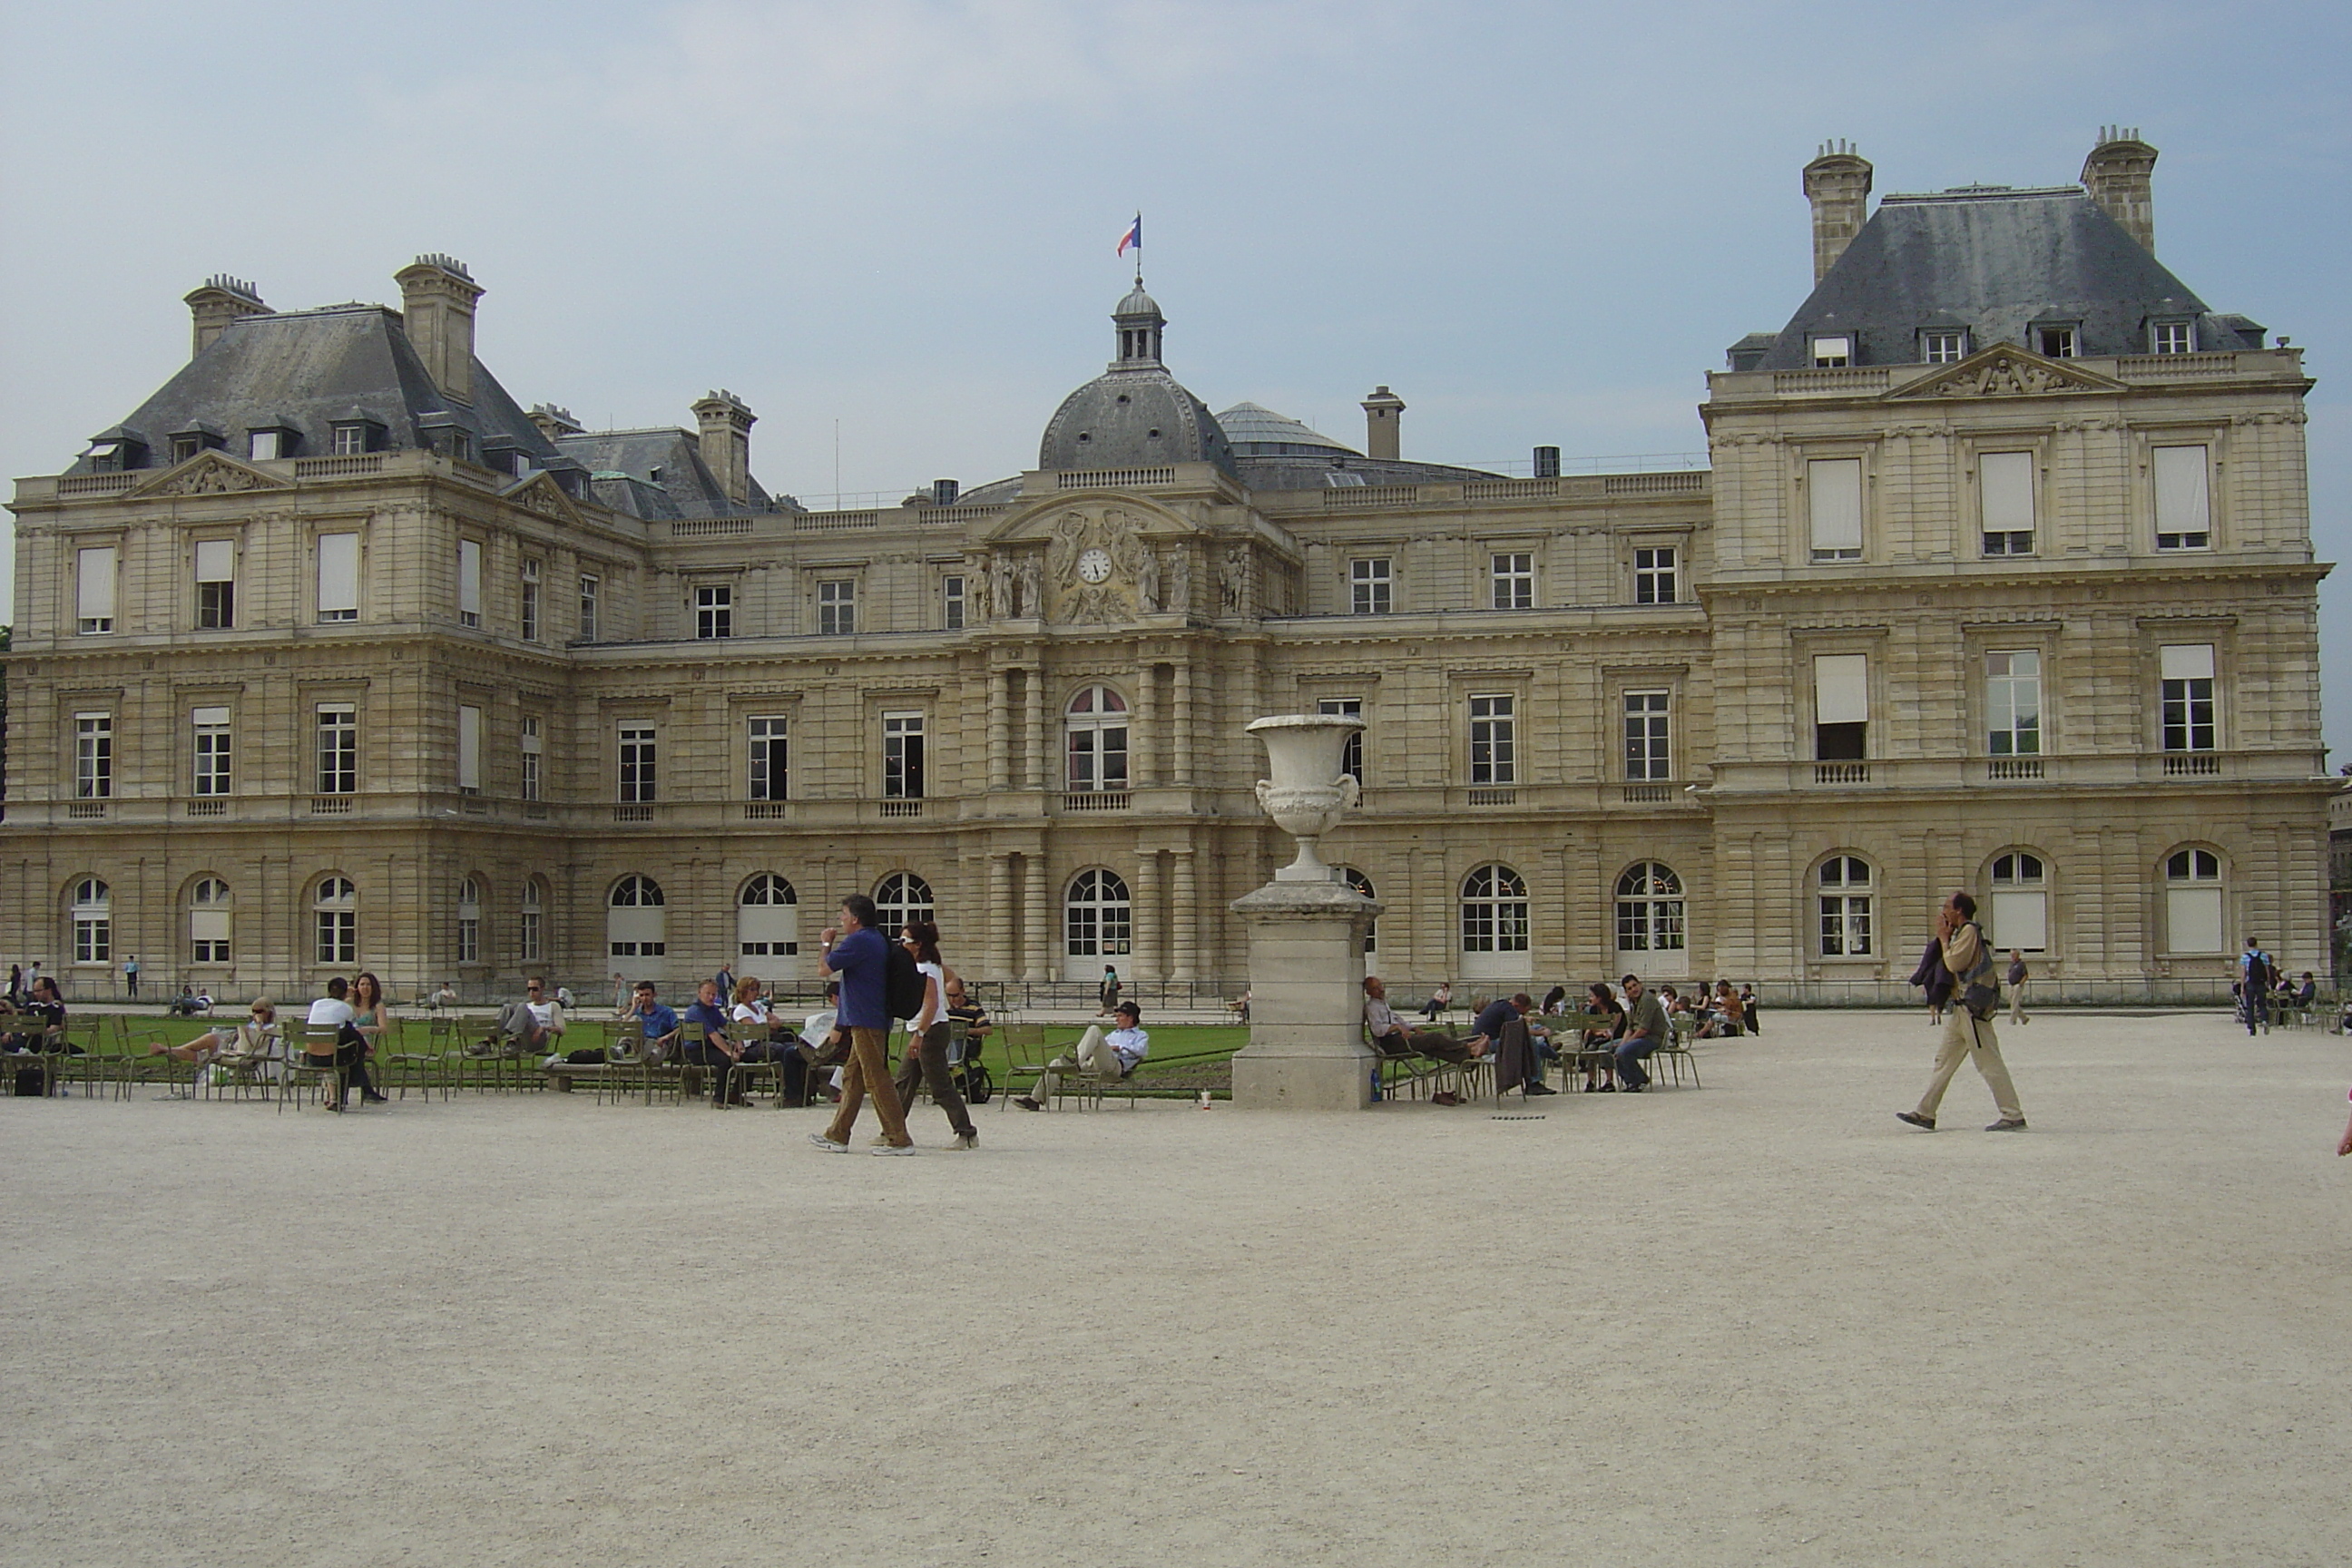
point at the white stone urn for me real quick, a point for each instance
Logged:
(1307, 794)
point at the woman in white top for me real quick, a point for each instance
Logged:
(926, 1038)
(757, 1028)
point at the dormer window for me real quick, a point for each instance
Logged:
(266, 444)
(2054, 340)
(1943, 346)
(2172, 337)
(503, 455)
(1833, 353)
(356, 436)
(118, 451)
(199, 437)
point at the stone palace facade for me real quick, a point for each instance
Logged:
(332, 655)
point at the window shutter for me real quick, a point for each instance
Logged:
(94, 584)
(2193, 919)
(2008, 481)
(2181, 502)
(469, 748)
(339, 571)
(2019, 920)
(1835, 486)
(209, 925)
(215, 561)
(1841, 689)
(207, 718)
(2185, 661)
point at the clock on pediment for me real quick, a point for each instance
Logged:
(1094, 564)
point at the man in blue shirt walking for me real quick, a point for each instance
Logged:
(857, 952)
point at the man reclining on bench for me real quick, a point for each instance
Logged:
(535, 1025)
(1113, 1055)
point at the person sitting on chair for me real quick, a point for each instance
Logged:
(1439, 1001)
(657, 1024)
(764, 1037)
(535, 1025)
(1503, 1028)
(445, 998)
(1113, 1055)
(256, 1043)
(1382, 1022)
(715, 1050)
(1645, 1030)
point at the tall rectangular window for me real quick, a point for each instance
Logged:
(1494, 758)
(714, 610)
(1654, 577)
(769, 760)
(93, 757)
(638, 763)
(1351, 754)
(94, 590)
(212, 750)
(1649, 751)
(532, 745)
(951, 601)
(1841, 707)
(470, 749)
(2186, 670)
(836, 607)
(2013, 704)
(1513, 576)
(590, 591)
(2184, 510)
(527, 941)
(902, 756)
(1834, 488)
(339, 576)
(470, 582)
(2005, 483)
(216, 583)
(1369, 586)
(339, 749)
(528, 602)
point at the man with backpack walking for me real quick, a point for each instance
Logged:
(1969, 1032)
(859, 954)
(2256, 976)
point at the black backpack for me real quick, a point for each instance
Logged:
(904, 987)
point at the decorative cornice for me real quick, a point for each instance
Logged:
(2004, 370)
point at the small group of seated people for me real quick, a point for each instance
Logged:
(1113, 1055)
(342, 1028)
(37, 1025)
(190, 1002)
(528, 1027)
(1519, 1049)
(1722, 1016)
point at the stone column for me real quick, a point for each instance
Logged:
(1149, 944)
(999, 957)
(1036, 771)
(1143, 750)
(1185, 919)
(1000, 731)
(1181, 753)
(1041, 925)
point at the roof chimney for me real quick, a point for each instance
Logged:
(436, 303)
(1380, 411)
(221, 300)
(727, 420)
(2119, 175)
(1838, 184)
(554, 423)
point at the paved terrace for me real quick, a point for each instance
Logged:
(1761, 1322)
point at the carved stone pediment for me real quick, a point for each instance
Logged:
(541, 494)
(1092, 562)
(2004, 370)
(209, 473)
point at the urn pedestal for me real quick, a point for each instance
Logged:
(1306, 931)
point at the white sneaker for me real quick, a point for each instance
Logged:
(895, 1148)
(827, 1144)
(962, 1140)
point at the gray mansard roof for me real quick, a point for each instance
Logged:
(309, 370)
(654, 474)
(1994, 261)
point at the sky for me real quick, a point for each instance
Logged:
(888, 225)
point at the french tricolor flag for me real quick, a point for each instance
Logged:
(1133, 239)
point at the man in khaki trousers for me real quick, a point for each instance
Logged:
(1965, 1034)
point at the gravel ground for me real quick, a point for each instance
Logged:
(1759, 1322)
